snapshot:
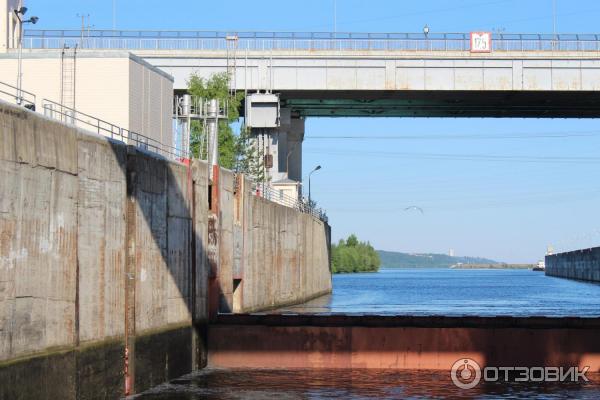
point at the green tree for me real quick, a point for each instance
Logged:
(249, 159)
(217, 87)
(352, 241)
(352, 255)
(238, 153)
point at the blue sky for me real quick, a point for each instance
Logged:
(508, 210)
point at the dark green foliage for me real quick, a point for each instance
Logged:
(353, 256)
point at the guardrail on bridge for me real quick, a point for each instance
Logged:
(292, 41)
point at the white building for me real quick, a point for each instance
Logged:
(118, 88)
(9, 25)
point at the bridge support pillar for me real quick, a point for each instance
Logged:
(283, 146)
(294, 142)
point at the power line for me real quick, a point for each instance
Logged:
(543, 17)
(460, 157)
(424, 12)
(547, 199)
(480, 136)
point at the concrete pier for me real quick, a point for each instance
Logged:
(583, 265)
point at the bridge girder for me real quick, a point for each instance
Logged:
(458, 104)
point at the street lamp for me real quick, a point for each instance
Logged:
(318, 167)
(426, 30)
(287, 160)
(33, 20)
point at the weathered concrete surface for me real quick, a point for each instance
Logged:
(38, 231)
(64, 277)
(581, 265)
(85, 373)
(285, 256)
(427, 343)
(103, 252)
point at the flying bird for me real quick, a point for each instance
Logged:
(415, 208)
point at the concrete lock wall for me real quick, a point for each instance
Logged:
(581, 265)
(104, 268)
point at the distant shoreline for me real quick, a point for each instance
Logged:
(428, 260)
(493, 266)
(469, 266)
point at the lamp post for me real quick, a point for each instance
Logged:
(287, 160)
(318, 167)
(33, 20)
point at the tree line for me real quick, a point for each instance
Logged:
(351, 255)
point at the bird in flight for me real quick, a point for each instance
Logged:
(414, 208)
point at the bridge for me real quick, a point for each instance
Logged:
(374, 74)
(366, 74)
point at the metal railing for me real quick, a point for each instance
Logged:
(77, 118)
(292, 41)
(267, 192)
(24, 98)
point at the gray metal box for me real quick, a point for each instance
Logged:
(262, 110)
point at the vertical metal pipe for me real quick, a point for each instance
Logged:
(20, 64)
(213, 134)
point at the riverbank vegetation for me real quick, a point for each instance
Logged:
(351, 255)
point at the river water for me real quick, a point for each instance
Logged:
(409, 292)
(210, 384)
(457, 292)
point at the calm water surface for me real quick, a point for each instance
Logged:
(212, 384)
(456, 292)
(409, 292)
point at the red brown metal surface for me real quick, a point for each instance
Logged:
(346, 342)
(214, 287)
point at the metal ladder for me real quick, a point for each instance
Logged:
(232, 47)
(68, 66)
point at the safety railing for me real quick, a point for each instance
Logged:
(20, 97)
(303, 205)
(293, 41)
(77, 118)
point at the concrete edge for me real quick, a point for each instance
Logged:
(379, 321)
